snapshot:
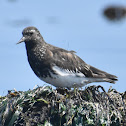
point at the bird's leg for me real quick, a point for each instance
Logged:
(64, 92)
(76, 89)
(61, 90)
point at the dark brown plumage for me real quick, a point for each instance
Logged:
(58, 66)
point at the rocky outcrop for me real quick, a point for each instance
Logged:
(61, 107)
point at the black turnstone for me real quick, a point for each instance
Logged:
(57, 66)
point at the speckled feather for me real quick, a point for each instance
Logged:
(58, 66)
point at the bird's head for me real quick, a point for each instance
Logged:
(30, 34)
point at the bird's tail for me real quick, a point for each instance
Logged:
(103, 76)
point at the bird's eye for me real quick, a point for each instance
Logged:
(31, 33)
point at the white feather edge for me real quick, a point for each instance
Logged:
(66, 72)
(65, 78)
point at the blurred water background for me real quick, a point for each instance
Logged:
(73, 25)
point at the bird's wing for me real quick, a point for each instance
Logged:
(68, 60)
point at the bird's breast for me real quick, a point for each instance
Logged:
(37, 61)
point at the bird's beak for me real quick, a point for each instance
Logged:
(21, 40)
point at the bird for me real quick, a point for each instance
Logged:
(57, 66)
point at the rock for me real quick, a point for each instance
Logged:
(49, 107)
